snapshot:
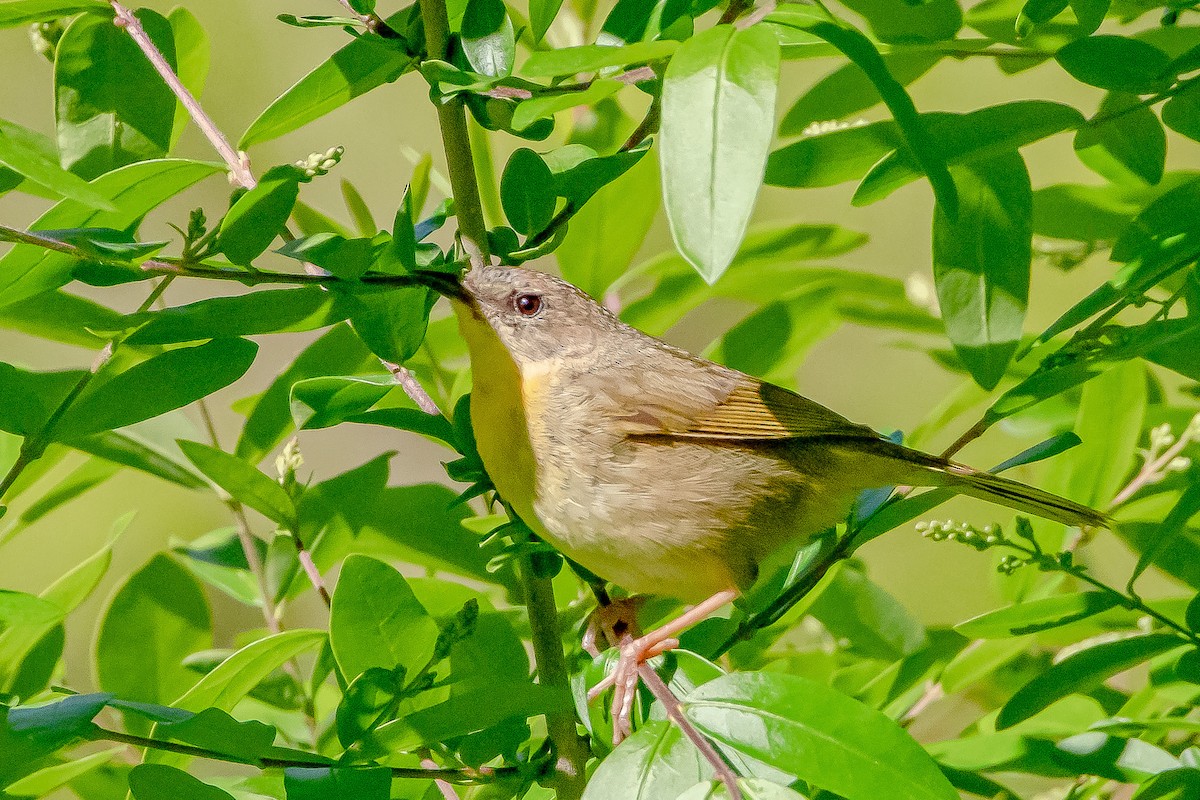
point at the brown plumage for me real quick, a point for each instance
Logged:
(661, 471)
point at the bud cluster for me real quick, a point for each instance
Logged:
(319, 164)
(979, 538)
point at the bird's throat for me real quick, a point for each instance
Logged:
(498, 415)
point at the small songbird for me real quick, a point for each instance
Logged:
(660, 471)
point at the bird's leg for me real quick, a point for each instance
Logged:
(636, 649)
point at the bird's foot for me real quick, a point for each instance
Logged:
(613, 621)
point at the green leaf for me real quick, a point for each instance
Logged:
(392, 323)
(620, 215)
(1125, 141)
(192, 55)
(33, 397)
(750, 788)
(243, 481)
(1116, 63)
(21, 151)
(365, 64)
(236, 676)
(260, 214)
(158, 385)
(817, 733)
(655, 762)
(530, 111)
(713, 161)
(23, 12)
(487, 38)
(61, 317)
(160, 782)
(213, 729)
(900, 22)
(272, 311)
(334, 783)
(986, 133)
(1182, 112)
(359, 210)
(860, 50)
(270, 421)
(1037, 615)
(827, 159)
(376, 621)
(47, 780)
(1175, 553)
(527, 192)
(156, 619)
(541, 15)
(848, 90)
(1174, 784)
(27, 270)
(981, 263)
(593, 57)
(1173, 526)
(112, 107)
(1082, 671)
(773, 342)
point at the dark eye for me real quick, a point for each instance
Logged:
(528, 304)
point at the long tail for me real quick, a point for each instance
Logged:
(938, 471)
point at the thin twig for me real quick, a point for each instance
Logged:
(675, 713)
(413, 388)
(239, 165)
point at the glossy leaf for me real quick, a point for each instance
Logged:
(750, 789)
(1181, 113)
(158, 385)
(870, 622)
(24, 12)
(1082, 671)
(826, 738)
(898, 22)
(593, 57)
(1037, 615)
(48, 779)
(332, 783)
(134, 190)
(982, 134)
(234, 677)
(112, 107)
(487, 38)
(541, 15)
(365, 64)
(1116, 63)
(243, 482)
(827, 159)
(393, 323)
(1124, 141)
(981, 264)
(713, 162)
(272, 311)
(527, 192)
(21, 151)
(655, 762)
(33, 397)
(156, 619)
(260, 214)
(376, 621)
(1175, 784)
(160, 782)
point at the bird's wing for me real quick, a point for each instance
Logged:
(728, 406)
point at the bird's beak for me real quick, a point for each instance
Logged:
(444, 283)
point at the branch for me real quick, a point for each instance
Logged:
(456, 141)
(570, 779)
(374, 22)
(239, 165)
(467, 776)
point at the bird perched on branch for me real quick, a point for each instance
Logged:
(658, 470)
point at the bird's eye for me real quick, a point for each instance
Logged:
(528, 304)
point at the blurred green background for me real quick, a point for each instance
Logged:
(870, 375)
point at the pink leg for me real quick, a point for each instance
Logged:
(634, 651)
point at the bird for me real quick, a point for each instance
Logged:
(660, 471)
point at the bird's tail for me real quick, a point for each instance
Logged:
(937, 471)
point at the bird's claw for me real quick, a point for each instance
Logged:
(624, 679)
